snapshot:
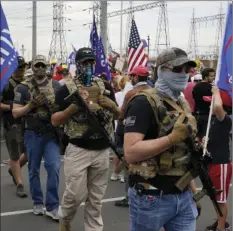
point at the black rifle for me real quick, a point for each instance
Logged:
(75, 97)
(199, 168)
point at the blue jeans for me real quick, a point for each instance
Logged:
(174, 212)
(38, 146)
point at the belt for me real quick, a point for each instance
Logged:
(147, 189)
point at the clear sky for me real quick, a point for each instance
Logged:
(18, 14)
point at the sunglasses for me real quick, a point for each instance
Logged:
(38, 65)
(179, 69)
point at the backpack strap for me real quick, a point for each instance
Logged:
(13, 82)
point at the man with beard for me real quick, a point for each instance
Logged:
(157, 122)
(86, 159)
(13, 128)
(34, 101)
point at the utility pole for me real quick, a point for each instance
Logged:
(148, 42)
(34, 28)
(23, 50)
(121, 30)
(104, 24)
(128, 26)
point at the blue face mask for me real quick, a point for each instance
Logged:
(171, 84)
(89, 75)
(85, 74)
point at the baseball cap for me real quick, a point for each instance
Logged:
(39, 59)
(175, 57)
(226, 99)
(197, 77)
(84, 54)
(139, 71)
(21, 61)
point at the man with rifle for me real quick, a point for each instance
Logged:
(34, 100)
(87, 114)
(158, 123)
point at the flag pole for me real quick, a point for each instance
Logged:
(215, 82)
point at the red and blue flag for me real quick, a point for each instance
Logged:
(225, 67)
(8, 58)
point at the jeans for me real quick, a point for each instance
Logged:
(39, 146)
(174, 212)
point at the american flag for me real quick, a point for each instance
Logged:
(112, 55)
(8, 58)
(136, 52)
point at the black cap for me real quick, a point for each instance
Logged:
(21, 61)
(84, 54)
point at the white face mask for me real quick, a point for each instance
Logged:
(171, 84)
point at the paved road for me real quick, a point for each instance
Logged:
(16, 213)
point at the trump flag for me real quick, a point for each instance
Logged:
(8, 58)
(225, 67)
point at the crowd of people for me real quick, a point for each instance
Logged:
(151, 114)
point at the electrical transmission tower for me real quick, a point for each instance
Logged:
(219, 32)
(193, 47)
(192, 44)
(162, 36)
(58, 49)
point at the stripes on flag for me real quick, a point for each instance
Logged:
(8, 60)
(136, 49)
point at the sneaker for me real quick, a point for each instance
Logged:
(213, 227)
(122, 178)
(38, 209)
(20, 191)
(64, 225)
(53, 214)
(122, 203)
(114, 176)
(5, 162)
(13, 178)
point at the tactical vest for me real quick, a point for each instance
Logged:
(172, 162)
(41, 112)
(76, 128)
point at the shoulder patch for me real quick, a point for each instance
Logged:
(17, 96)
(130, 121)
